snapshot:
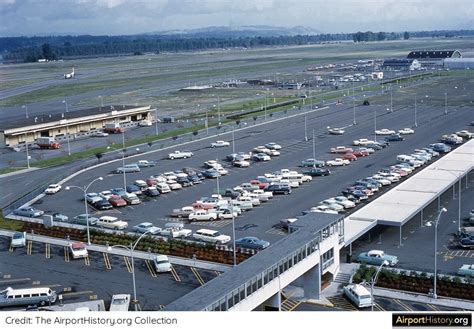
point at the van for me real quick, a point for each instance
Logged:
(120, 303)
(358, 294)
(211, 236)
(27, 296)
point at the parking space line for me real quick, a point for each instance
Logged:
(14, 280)
(150, 268)
(378, 307)
(217, 273)
(434, 308)
(36, 283)
(10, 249)
(198, 276)
(66, 255)
(403, 305)
(29, 247)
(87, 261)
(77, 293)
(175, 274)
(128, 264)
(7, 276)
(107, 261)
(47, 248)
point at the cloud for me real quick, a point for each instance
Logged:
(138, 16)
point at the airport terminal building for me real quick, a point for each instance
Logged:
(15, 133)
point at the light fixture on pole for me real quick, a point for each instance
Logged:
(84, 190)
(436, 250)
(26, 110)
(374, 281)
(131, 249)
(67, 108)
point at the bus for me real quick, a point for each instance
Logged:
(27, 296)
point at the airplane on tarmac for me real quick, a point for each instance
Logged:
(69, 75)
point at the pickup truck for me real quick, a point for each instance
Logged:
(184, 212)
(146, 163)
(180, 155)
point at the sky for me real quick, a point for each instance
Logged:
(119, 17)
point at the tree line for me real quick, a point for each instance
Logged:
(31, 49)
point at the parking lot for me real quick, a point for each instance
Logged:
(99, 276)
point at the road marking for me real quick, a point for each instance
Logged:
(217, 273)
(289, 305)
(92, 297)
(36, 283)
(66, 255)
(67, 289)
(13, 280)
(107, 261)
(175, 274)
(47, 247)
(150, 268)
(128, 264)
(77, 293)
(277, 231)
(87, 261)
(378, 307)
(29, 247)
(403, 305)
(433, 307)
(342, 303)
(198, 276)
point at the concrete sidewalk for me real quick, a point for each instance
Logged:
(123, 252)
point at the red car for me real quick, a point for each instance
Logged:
(360, 153)
(261, 185)
(117, 201)
(349, 156)
(151, 181)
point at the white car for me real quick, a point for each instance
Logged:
(175, 230)
(362, 141)
(324, 209)
(343, 201)
(332, 204)
(163, 188)
(212, 164)
(53, 189)
(112, 223)
(336, 131)
(406, 131)
(382, 180)
(241, 163)
(162, 263)
(140, 183)
(273, 146)
(78, 250)
(393, 177)
(170, 175)
(465, 134)
(180, 155)
(220, 144)
(99, 134)
(105, 194)
(290, 183)
(174, 185)
(211, 236)
(146, 227)
(337, 162)
(262, 149)
(222, 171)
(202, 215)
(385, 131)
(145, 123)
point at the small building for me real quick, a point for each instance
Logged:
(376, 75)
(403, 64)
(433, 57)
(459, 63)
(16, 132)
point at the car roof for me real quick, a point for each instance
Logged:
(375, 252)
(78, 245)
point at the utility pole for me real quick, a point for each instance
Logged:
(416, 122)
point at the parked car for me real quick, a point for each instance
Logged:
(467, 241)
(146, 227)
(360, 153)
(128, 169)
(134, 189)
(211, 236)
(28, 212)
(341, 149)
(93, 197)
(117, 201)
(362, 141)
(467, 270)
(102, 204)
(349, 156)
(406, 131)
(440, 147)
(337, 162)
(278, 189)
(83, 219)
(465, 133)
(261, 157)
(99, 134)
(241, 163)
(163, 188)
(118, 191)
(151, 192)
(175, 230)
(161, 263)
(78, 250)
(183, 212)
(312, 163)
(211, 173)
(200, 215)
(336, 131)
(394, 138)
(112, 223)
(18, 240)
(53, 189)
(146, 163)
(220, 144)
(316, 172)
(58, 217)
(251, 242)
(273, 146)
(377, 257)
(358, 294)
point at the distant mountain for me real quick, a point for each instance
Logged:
(240, 31)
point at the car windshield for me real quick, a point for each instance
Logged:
(17, 236)
(119, 301)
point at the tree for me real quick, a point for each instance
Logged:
(48, 52)
(237, 122)
(255, 119)
(195, 133)
(406, 36)
(99, 156)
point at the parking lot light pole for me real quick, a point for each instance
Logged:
(354, 122)
(314, 146)
(27, 155)
(374, 281)
(233, 234)
(84, 190)
(416, 122)
(436, 251)
(131, 249)
(233, 140)
(156, 122)
(305, 129)
(26, 110)
(445, 101)
(67, 108)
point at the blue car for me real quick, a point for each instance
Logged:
(251, 242)
(377, 257)
(440, 147)
(211, 173)
(394, 138)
